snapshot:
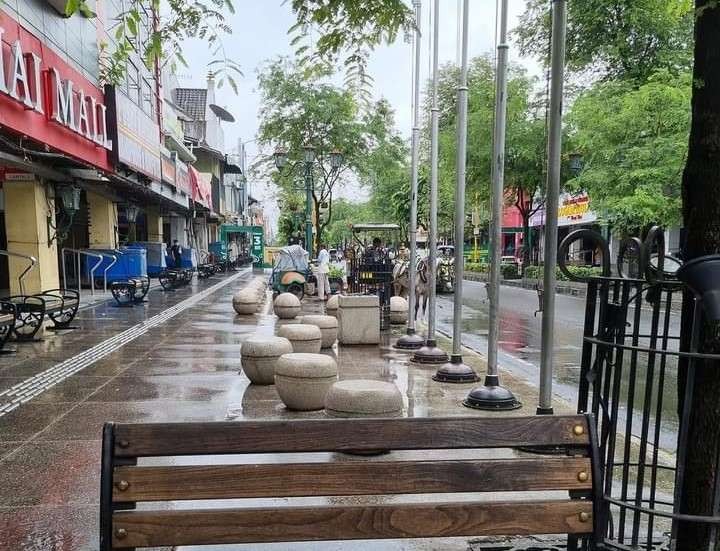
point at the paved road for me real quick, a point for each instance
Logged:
(520, 332)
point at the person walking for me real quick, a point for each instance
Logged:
(176, 254)
(323, 267)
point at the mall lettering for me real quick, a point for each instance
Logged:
(28, 84)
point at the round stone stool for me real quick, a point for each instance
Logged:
(332, 305)
(303, 337)
(303, 380)
(245, 302)
(363, 398)
(286, 306)
(398, 310)
(259, 355)
(328, 328)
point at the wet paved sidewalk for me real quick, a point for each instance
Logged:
(179, 362)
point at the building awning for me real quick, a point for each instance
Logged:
(201, 188)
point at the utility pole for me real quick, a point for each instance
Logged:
(411, 340)
(491, 395)
(455, 371)
(557, 70)
(431, 353)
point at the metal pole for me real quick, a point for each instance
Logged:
(308, 209)
(456, 371)
(78, 270)
(430, 353)
(491, 395)
(412, 341)
(557, 65)
(458, 41)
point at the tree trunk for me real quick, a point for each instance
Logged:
(701, 213)
(526, 241)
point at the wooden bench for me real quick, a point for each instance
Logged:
(566, 501)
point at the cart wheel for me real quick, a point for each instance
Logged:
(297, 290)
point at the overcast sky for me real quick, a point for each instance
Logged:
(260, 33)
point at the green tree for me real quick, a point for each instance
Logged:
(349, 31)
(301, 107)
(614, 38)
(634, 141)
(524, 172)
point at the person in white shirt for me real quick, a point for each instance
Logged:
(321, 273)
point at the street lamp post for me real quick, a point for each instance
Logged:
(491, 395)
(307, 163)
(455, 371)
(431, 353)
(309, 159)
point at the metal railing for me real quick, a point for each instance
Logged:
(78, 253)
(114, 259)
(31, 266)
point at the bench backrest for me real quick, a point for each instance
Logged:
(124, 483)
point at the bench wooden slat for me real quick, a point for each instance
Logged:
(224, 526)
(166, 439)
(350, 478)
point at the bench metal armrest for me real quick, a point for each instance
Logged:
(64, 294)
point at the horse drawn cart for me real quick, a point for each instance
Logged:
(371, 266)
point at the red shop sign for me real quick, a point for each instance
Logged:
(42, 97)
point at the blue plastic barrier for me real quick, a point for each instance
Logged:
(131, 262)
(156, 260)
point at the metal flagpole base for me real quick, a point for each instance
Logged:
(430, 354)
(491, 396)
(409, 341)
(455, 371)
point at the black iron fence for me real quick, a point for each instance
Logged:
(373, 276)
(629, 380)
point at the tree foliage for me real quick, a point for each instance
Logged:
(349, 28)
(178, 21)
(301, 107)
(349, 31)
(634, 141)
(614, 38)
(525, 159)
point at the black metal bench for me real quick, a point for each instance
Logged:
(59, 305)
(130, 291)
(541, 494)
(7, 323)
(172, 278)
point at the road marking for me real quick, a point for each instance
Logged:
(25, 391)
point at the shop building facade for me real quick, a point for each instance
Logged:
(84, 165)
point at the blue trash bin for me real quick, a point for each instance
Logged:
(155, 254)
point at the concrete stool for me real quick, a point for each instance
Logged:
(362, 397)
(328, 328)
(245, 302)
(259, 354)
(331, 306)
(287, 306)
(303, 380)
(398, 310)
(359, 319)
(303, 337)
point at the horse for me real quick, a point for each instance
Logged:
(422, 288)
(401, 281)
